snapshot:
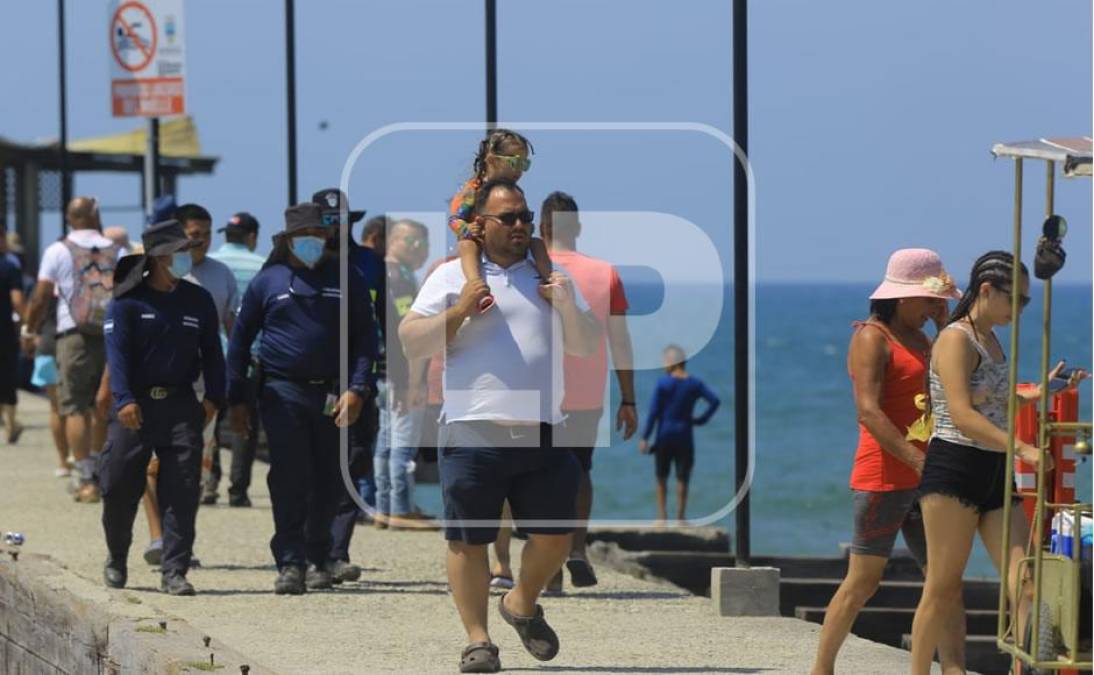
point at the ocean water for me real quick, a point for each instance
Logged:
(806, 431)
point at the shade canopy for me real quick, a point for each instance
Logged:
(1074, 154)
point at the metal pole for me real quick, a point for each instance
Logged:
(1043, 437)
(491, 64)
(290, 92)
(740, 279)
(152, 166)
(62, 78)
(1012, 406)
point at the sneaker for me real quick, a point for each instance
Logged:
(318, 578)
(114, 575)
(62, 472)
(239, 501)
(290, 581)
(154, 553)
(173, 583)
(88, 494)
(341, 571)
(209, 498)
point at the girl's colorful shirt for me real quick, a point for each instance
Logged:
(462, 208)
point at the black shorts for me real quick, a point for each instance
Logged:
(975, 477)
(483, 465)
(667, 453)
(578, 433)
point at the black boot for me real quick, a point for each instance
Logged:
(290, 581)
(341, 571)
(174, 583)
(114, 575)
(318, 578)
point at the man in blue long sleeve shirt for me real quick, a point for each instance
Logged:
(295, 301)
(161, 332)
(363, 261)
(672, 410)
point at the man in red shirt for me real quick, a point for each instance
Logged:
(586, 377)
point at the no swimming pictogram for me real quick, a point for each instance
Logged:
(133, 36)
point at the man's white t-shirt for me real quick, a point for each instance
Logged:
(505, 364)
(217, 278)
(56, 268)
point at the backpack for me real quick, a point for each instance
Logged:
(93, 283)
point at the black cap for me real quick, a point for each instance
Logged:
(241, 223)
(332, 201)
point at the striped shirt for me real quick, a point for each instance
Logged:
(244, 264)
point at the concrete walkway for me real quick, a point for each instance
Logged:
(399, 618)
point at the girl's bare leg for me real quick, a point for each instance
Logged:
(991, 533)
(541, 258)
(950, 527)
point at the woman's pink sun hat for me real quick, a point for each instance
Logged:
(916, 273)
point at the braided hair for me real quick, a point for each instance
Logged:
(494, 140)
(995, 268)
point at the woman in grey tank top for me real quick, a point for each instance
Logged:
(963, 482)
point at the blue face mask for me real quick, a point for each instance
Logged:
(308, 249)
(181, 264)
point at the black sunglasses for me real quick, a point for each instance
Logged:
(1023, 300)
(510, 219)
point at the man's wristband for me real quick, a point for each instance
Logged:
(630, 403)
(24, 331)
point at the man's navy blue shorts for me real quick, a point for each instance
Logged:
(483, 464)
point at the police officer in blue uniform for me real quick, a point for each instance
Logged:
(295, 301)
(365, 262)
(161, 332)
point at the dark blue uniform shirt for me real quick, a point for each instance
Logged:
(157, 339)
(297, 310)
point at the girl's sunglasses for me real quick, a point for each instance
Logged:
(510, 219)
(1023, 300)
(516, 162)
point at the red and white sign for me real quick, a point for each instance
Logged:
(147, 58)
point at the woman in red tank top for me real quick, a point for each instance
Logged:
(887, 361)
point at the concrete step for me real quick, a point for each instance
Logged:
(800, 592)
(982, 655)
(682, 539)
(889, 624)
(691, 569)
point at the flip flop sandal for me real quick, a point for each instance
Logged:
(581, 573)
(13, 437)
(538, 638)
(480, 657)
(501, 581)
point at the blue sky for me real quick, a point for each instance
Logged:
(870, 121)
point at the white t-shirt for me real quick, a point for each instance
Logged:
(217, 278)
(56, 268)
(505, 364)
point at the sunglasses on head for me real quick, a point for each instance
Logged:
(510, 219)
(516, 162)
(1023, 300)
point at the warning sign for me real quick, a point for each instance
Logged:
(147, 64)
